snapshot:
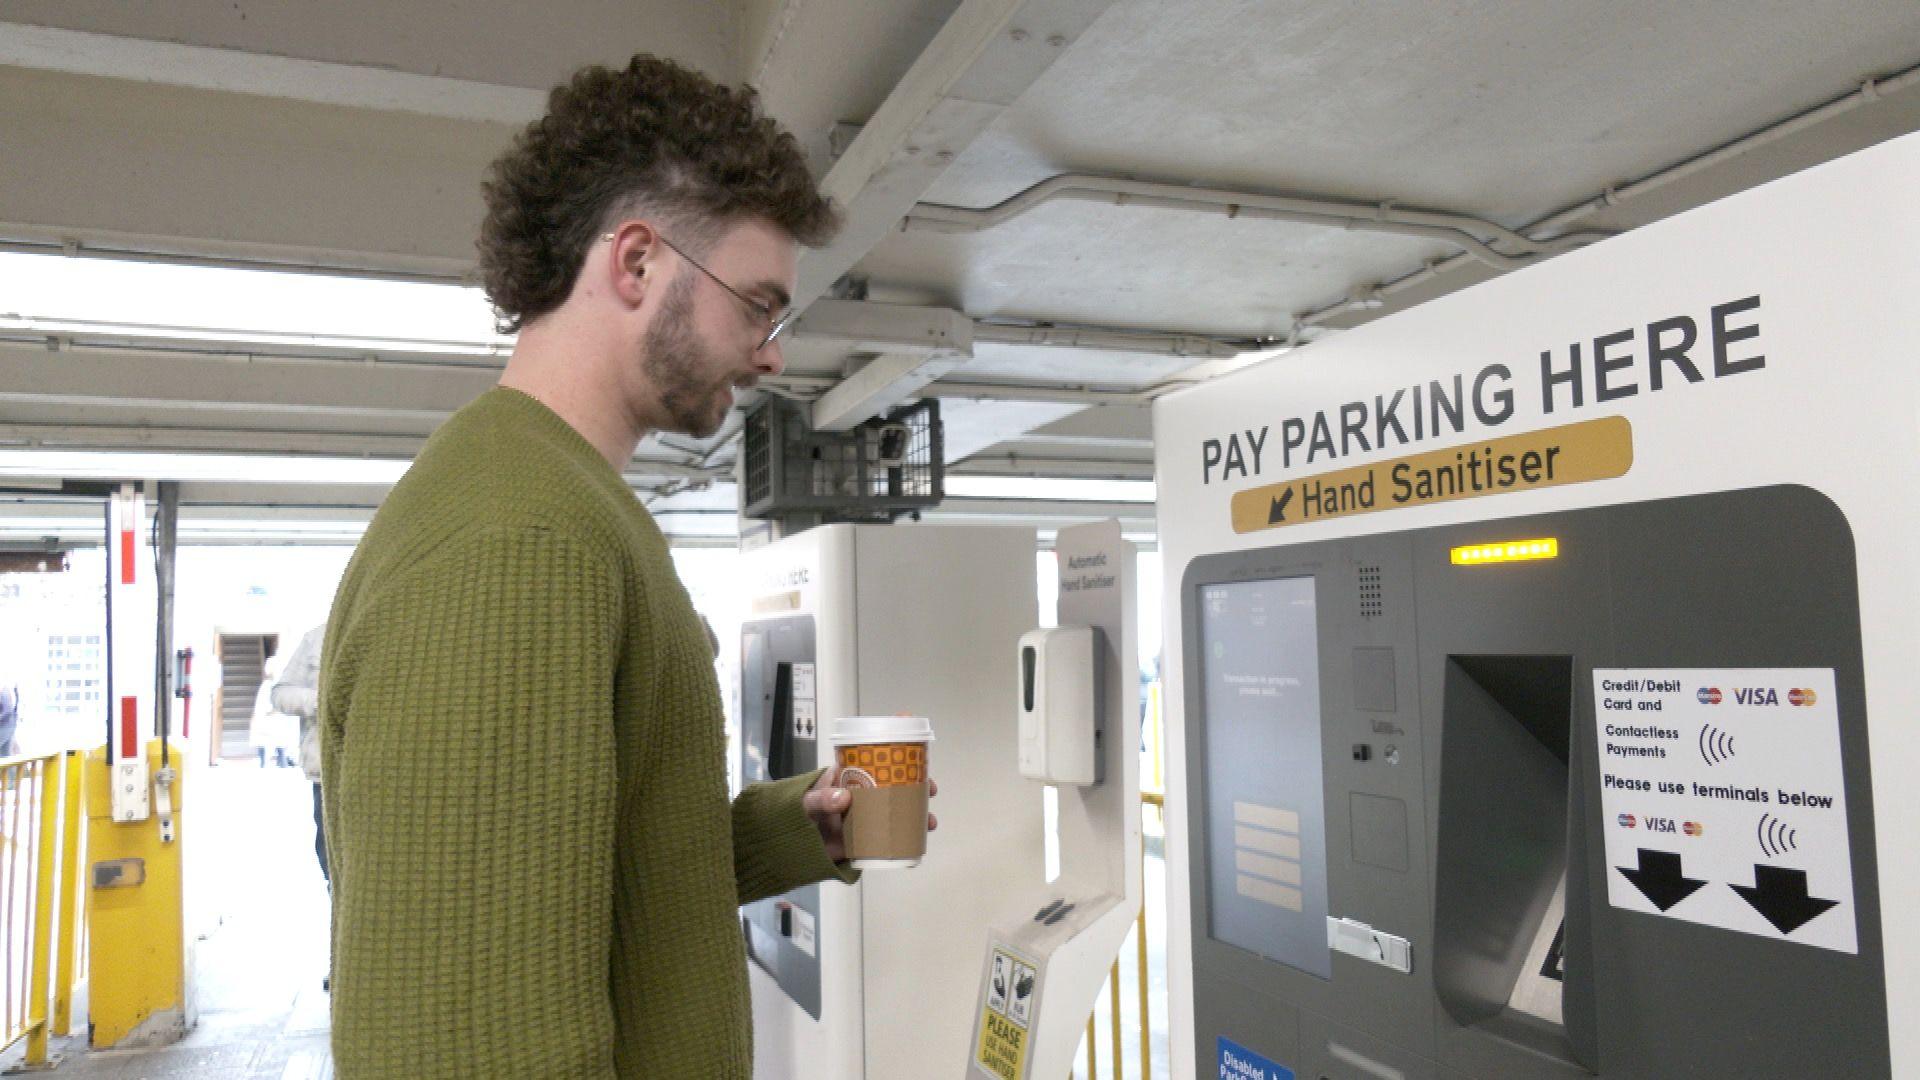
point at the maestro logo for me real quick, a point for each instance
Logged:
(1628, 821)
(1801, 695)
(1708, 695)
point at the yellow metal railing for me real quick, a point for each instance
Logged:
(40, 862)
(1152, 798)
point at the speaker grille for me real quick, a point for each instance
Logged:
(1372, 599)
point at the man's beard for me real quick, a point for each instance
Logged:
(678, 365)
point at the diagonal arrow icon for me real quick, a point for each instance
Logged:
(1277, 512)
(1779, 894)
(1660, 879)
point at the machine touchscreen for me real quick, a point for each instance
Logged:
(1266, 823)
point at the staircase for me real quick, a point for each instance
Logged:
(241, 659)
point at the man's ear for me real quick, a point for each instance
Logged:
(633, 261)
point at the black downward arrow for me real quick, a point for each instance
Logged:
(1659, 877)
(1277, 512)
(1780, 896)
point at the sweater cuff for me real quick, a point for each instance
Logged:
(776, 847)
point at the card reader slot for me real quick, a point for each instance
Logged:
(780, 724)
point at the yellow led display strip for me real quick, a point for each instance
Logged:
(1506, 551)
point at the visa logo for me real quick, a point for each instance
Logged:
(1756, 695)
(1661, 824)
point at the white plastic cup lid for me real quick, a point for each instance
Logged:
(851, 730)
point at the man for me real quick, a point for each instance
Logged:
(297, 694)
(536, 869)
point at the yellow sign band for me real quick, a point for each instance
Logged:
(1592, 450)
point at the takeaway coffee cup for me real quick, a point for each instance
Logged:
(883, 766)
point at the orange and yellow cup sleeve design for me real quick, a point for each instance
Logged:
(883, 764)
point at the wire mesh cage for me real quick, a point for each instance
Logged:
(887, 467)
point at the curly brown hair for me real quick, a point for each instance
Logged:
(653, 138)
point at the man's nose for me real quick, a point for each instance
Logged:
(769, 360)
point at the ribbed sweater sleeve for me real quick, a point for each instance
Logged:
(776, 846)
(473, 919)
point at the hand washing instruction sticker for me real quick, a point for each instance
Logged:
(1006, 1013)
(1723, 800)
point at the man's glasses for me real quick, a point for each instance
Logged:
(777, 322)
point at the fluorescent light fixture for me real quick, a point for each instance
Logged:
(1050, 488)
(241, 468)
(56, 294)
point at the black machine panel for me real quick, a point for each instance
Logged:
(1445, 773)
(778, 739)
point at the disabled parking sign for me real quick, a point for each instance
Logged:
(1239, 1063)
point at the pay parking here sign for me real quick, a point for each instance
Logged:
(1723, 799)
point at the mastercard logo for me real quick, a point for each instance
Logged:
(1693, 828)
(1801, 696)
(1628, 821)
(1708, 695)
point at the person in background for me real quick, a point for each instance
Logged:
(271, 729)
(9, 720)
(298, 694)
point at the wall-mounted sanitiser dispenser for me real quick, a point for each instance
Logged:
(1061, 731)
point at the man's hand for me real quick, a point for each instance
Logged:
(826, 803)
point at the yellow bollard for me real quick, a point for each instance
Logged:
(138, 993)
(73, 866)
(47, 802)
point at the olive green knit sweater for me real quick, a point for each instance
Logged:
(535, 864)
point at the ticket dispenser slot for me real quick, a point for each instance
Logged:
(1500, 950)
(780, 734)
(778, 739)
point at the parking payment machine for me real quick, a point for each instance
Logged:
(1541, 677)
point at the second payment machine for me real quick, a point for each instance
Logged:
(877, 979)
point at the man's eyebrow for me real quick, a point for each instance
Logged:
(777, 293)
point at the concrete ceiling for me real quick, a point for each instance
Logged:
(351, 137)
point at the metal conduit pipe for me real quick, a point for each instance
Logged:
(1460, 230)
(1152, 342)
(1869, 92)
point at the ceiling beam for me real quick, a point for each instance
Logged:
(883, 382)
(899, 328)
(1041, 513)
(981, 61)
(139, 378)
(240, 177)
(80, 52)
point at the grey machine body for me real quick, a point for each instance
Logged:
(1434, 730)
